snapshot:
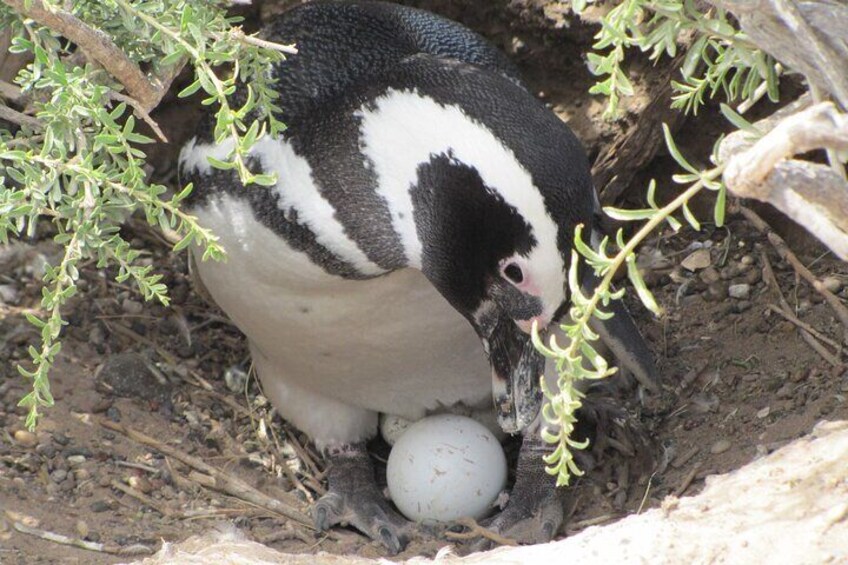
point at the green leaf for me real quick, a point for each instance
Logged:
(675, 153)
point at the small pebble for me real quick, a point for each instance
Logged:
(720, 446)
(764, 412)
(141, 484)
(46, 450)
(741, 291)
(716, 292)
(697, 260)
(132, 307)
(61, 439)
(58, 475)
(753, 276)
(833, 284)
(26, 438)
(82, 475)
(9, 294)
(747, 260)
(709, 275)
(113, 414)
(82, 528)
(99, 506)
(76, 460)
(742, 306)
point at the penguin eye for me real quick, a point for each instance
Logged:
(513, 273)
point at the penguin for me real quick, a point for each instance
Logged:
(420, 224)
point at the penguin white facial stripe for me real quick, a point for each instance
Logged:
(297, 192)
(402, 129)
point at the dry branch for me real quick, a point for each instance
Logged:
(813, 195)
(809, 36)
(217, 479)
(96, 44)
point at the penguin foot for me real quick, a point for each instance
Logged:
(354, 499)
(608, 425)
(534, 512)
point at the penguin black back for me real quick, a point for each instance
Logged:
(344, 43)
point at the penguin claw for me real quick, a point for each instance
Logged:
(534, 512)
(355, 499)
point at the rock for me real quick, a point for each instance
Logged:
(76, 460)
(832, 283)
(697, 260)
(9, 294)
(235, 377)
(742, 306)
(709, 275)
(753, 276)
(82, 528)
(99, 506)
(741, 291)
(720, 446)
(113, 414)
(132, 307)
(716, 292)
(141, 484)
(130, 375)
(58, 475)
(26, 438)
(764, 412)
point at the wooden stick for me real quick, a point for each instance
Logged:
(19, 118)
(475, 530)
(96, 44)
(783, 250)
(786, 311)
(218, 479)
(136, 549)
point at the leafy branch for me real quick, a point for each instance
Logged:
(560, 409)
(720, 57)
(73, 155)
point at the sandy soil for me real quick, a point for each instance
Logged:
(741, 381)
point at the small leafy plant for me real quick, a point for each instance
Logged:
(720, 60)
(73, 154)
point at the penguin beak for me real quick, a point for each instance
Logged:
(516, 371)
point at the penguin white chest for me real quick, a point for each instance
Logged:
(389, 344)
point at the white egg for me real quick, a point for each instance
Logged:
(445, 467)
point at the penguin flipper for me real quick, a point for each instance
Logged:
(354, 498)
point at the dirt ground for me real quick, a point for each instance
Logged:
(740, 379)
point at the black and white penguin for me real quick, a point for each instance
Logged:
(425, 204)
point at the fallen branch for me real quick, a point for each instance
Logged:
(129, 550)
(217, 479)
(96, 44)
(786, 311)
(786, 254)
(810, 37)
(814, 195)
(19, 118)
(475, 531)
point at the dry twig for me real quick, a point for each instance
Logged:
(97, 45)
(136, 549)
(19, 118)
(475, 531)
(786, 254)
(814, 195)
(786, 311)
(218, 479)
